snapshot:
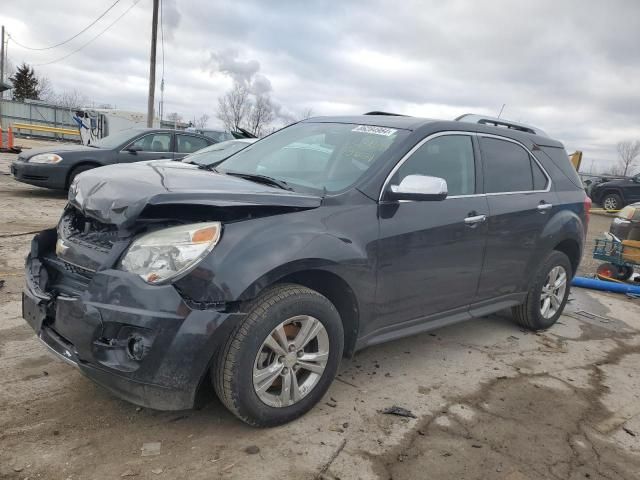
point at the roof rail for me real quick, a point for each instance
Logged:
(500, 122)
(375, 112)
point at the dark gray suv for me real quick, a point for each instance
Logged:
(258, 273)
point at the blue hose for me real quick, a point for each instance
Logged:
(605, 286)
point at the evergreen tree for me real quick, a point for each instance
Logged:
(25, 84)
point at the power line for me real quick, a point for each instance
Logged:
(69, 39)
(90, 41)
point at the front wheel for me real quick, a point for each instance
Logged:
(281, 359)
(547, 295)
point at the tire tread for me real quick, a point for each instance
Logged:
(225, 364)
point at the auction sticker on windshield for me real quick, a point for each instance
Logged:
(384, 131)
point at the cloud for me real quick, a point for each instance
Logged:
(568, 67)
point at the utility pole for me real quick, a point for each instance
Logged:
(152, 64)
(1, 73)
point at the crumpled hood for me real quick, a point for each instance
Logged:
(117, 194)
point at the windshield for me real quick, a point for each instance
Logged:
(318, 156)
(115, 139)
(216, 152)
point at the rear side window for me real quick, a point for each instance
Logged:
(190, 144)
(449, 157)
(509, 168)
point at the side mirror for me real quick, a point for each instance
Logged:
(419, 187)
(134, 149)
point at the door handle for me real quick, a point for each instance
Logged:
(475, 219)
(543, 207)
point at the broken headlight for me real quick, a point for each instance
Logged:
(165, 254)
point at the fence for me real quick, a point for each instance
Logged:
(38, 114)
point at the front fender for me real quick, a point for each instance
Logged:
(256, 253)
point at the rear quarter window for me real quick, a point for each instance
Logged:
(561, 160)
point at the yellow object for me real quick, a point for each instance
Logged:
(576, 159)
(44, 128)
(631, 251)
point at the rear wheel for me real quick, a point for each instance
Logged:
(612, 201)
(547, 295)
(281, 359)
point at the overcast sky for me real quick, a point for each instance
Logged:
(571, 67)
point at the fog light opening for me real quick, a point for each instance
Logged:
(135, 348)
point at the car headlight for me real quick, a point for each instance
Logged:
(165, 254)
(46, 158)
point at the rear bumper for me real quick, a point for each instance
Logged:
(41, 175)
(141, 342)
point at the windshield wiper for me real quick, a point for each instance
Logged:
(256, 177)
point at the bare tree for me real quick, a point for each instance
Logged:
(201, 122)
(174, 118)
(628, 151)
(70, 99)
(261, 114)
(234, 106)
(46, 93)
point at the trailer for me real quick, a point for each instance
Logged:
(96, 123)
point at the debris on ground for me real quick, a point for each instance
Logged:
(1, 283)
(157, 471)
(399, 411)
(128, 473)
(630, 432)
(252, 449)
(150, 449)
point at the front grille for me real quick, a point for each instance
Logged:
(85, 272)
(80, 229)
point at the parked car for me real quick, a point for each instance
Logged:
(257, 275)
(615, 194)
(56, 167)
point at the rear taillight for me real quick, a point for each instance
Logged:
(587, 212)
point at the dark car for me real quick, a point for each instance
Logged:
(56, 167)
(257, 274)
(615, 194)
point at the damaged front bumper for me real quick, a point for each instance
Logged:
(140, 341)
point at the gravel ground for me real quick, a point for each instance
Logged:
(490, 400)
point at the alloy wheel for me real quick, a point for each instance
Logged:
(610, 204)
(553, 292)
(291, 361)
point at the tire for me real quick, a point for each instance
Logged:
(77, 171)
(625, 273)
(612, 201)
(530, 314)
(235, 366)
